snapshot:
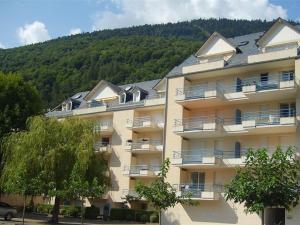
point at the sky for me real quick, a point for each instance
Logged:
(24, 22)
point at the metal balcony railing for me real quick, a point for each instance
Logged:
(263, 118)
(196, 189)
(272, 82)
(199, 91)
(130, 192)
(136, 169)
(140, 145)
(192, 157)
(196, 123)
(102, 125)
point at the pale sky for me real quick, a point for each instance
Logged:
(30, 21)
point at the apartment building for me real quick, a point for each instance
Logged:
(231, 95)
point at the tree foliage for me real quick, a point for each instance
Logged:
(160, 193)
(57, 158)
(64, 66)
(18, 101)
(266, 181)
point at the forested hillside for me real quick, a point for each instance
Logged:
(70, 64)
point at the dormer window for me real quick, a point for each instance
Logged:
(136, 96)
(122, 98)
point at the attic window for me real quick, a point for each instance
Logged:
(243, 43)
(77, 96)
(122, 98)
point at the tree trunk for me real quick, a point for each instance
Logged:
(24, 207)
(159, 217)
(263, 217)
(82, 213)
(274, 216)
(55, 211)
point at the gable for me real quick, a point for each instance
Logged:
(215, 45)
(104, 92)
(280, 33)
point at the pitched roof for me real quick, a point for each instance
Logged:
(276, 23)
(214, 35)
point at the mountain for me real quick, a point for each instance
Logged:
(64, 66)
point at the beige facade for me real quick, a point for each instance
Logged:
(232, 95)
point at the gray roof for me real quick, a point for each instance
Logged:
(245, 43)
(146, 85)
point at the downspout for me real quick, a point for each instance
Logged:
(164, 135)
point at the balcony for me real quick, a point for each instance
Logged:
(194, 159)
(144, 147)
(277, 121)
(209, 192)
(231, 158)
(144, 124)
(104, 127)
(103, 147)
(155, 100)
(130, 193)
(269, 56)
(252, 89)
(198, 127)
(141, 171)
(203, 66)
(198, 96)
(206, 158)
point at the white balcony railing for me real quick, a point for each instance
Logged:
(141, 170)
(147, 145)
(103, 126)
(204, 123)
(198, 92)
(144, 122)
(199, 190)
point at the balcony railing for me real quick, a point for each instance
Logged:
(143, 170)
(102, 147)
(198, 92)
(130, 192)
(150, 145)
(197, 190)
(197, 123)
(103, 126)
(192, 157)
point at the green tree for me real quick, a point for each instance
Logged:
(160, 193)
(266, 181)
(61, 149)
(84, 181)
(21, 168)
(18, 101)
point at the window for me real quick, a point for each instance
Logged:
(238, 116)
(136, 96)
(122, 98)
(197, 180)
(105, 141)
(287, 109)
(287, 75)
(237, 150)
(238, 85)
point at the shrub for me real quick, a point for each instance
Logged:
(44, 208)
(92, 212)
(120, 213)
(70, 210)
(144, 218)
(154, 217)
(129, 217)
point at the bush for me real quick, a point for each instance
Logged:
(120, 213)
(144, 218)
(44, 208)
(154, 217)
(129, 217)
(131, 214)
(92, 212)
(70, 210)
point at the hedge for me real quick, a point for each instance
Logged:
(92, 212)
(124, 214)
